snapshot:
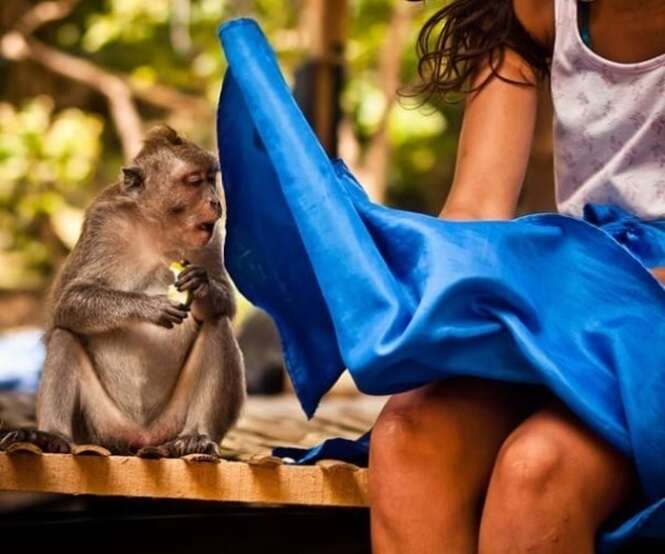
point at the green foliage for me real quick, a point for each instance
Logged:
(50, 154)
(422, 137)
(46, 161)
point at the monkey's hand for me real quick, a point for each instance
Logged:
(211, 297)
(164, 313)
(194, 278)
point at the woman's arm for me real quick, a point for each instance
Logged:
(497, 131)
(494, 146)
(494, 149)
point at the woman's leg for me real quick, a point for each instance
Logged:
(553, 485)
(431, 456)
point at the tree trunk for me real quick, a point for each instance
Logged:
(324, 24)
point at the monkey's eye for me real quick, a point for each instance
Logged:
(177, 210)
(194, 179)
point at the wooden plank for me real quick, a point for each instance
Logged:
(179, 479)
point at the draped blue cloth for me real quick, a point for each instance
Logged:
(403, 299)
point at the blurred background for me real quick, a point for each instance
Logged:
(81, 82)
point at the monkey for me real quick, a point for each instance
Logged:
(127, 368)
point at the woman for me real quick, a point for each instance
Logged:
(473, 465)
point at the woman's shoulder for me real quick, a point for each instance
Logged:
(537, 18)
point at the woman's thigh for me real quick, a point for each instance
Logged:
(431, 457)
(553, 485)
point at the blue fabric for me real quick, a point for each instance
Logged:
(355, 452)
(403, 299)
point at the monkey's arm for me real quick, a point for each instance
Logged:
(87, 308)
(58, 396)
(221, 297)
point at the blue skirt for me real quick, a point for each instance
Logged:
(403, 299)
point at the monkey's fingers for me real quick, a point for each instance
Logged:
(174, 315)
(191, 284)
(189, 275)
(193, 444)
(168, 321)
(192, 268)
(163, 322)
(177, 310)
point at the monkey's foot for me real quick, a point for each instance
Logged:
(47, 442)
(183, 446)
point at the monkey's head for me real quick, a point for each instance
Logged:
(176, 186)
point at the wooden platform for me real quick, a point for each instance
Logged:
(179, 479)
(248, 474)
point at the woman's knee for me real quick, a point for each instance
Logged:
(423, 424)
(400, 428)
(446, 436)
(420, 467)
(553, 480)
(459, 424)
(528, 502)
(527, 465)
(554, 455)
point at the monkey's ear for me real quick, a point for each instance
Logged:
(132, 178)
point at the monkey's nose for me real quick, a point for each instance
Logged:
(216, 206)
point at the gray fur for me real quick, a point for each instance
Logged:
(124, 367)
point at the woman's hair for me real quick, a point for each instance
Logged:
(464, 34)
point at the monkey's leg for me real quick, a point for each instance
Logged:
(57, 400)
(212, 386)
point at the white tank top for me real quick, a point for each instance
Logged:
(609, 126)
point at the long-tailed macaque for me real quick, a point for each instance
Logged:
(126, 367)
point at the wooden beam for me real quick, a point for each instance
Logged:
(326, 485)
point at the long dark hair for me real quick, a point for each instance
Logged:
(465, 33)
